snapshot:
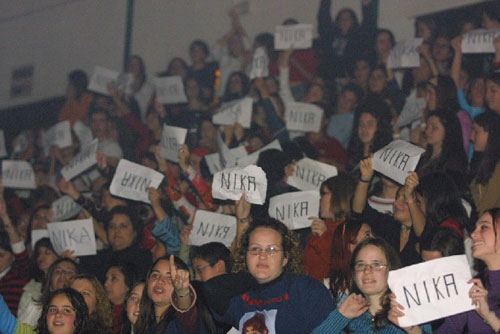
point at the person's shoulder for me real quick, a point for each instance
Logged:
(305, 281)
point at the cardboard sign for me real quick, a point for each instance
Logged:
(83, 132)
(252, 158)
(304, 117)
(3, 146)
(260, 62)
(404, 54)
(432, 290)
(231, 183)
(64, 208)
(77, 235)
(170, 90)
(298, 35)
(59, 134)
(479, 41)
(172, 138)
(295, 208)
(214, 160)
(412, 110)
(81, 162)
(18, 174)
(210, 226)
(309, 174)
(102, 77)
(239, 111)
(397, 159)
(37, 235)
(132, 181)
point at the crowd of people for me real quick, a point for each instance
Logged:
(331, 277)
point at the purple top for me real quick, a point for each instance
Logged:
(471, 319)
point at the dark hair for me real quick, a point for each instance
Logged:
(126, 325)
(199, 44)
(5, 242)
(171, 64)
(82, 320)
(213, 252)
(388, 32)
(129, 271)
(38, 274)
(266, 40)
(444, 240)
(147, 314)
(342, 187)
(273, 162)
(79, 80)
(480, 265)
(355, 89)
(98, 110)
(46, 287)
(490, 122)
(430, 23)
(492, 10)
(354, 18)
(446, 94)
(393, 263)
(29, 228)
(132, 215)
(245, 87)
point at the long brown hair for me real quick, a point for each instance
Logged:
(342, 187)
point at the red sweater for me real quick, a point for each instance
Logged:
(12, 284)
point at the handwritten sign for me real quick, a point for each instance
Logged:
(64, 208)
(397, 159)
(18, 174)
(298, 35)
(37, 235)
(412, 110)
(231, 183)
(432, 290)
(77, 235)
(81, 162)
(170, 90)
(260, 62)
(479, 41)
(3, 148)
(102, 77)
(172, 138)
(132, 181)
(309, 174)
(239, 111)
(295, 208)
(252, 158)
(59, 134)
(404, 54)
(304, 117)
(210, 226)
(214, 160)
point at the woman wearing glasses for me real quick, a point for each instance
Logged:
(267, 288)
(366, 309)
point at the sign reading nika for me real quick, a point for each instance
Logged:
(170, 90)
(299, 36)
(295, 208)
(404, 54)
(304, 117)
(172, 138)
(239, 111)
(432, 290)
(231, 183)
(64, 208)
(309, 174)
(397, 159)
(479, 41)
(77, 235)
(18, 174)
(85, 159)
(210, 226)
(132, 181)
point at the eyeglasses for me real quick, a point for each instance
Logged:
(199, 270)
(64, 272)
(269, 250)
(375, 266)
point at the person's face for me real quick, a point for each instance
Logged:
(99, 125)
(493, 96)
(45, 258)
(434, 132)
(423, 72)
(63, 272)
(324, 203)
(383, 44)
(158, 250)
(197, 54)
(400, 207)
(428, 255)
(347, 101)
(371, 282)
(361, 72)
(115, 286)
(271, 85)
(41, 219)
(466, 27)
(235, 85)
(367, 128)
(377, 81)
(6, 259)
(478, 91)
(431, 97)
(208, 130)
(424, 31)
(153, 121)
(479, 137)
(67, 154)
(121, 232)
(61, 316)
(255, 143)
(484, 240)
(88, 292)
(314, 94)
(364, 233)
(265, 266)
(134, 302)
(177, 68)
(441, 49)
(192, 89)
(345, 22)
(204, 271)
(160, 284)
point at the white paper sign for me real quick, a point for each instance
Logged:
(239, 111)
(3, 148)
(64, 208)
(479, 41)
(298, 35)
(260, 62)
(37, 235)
(132, 181)
(102, 77)
(83, 132)
(172, 138)
(295, 208)
(252, 158)
(304, 117)
(18, 174)
(170, 90)
(404, 54)
(77, 235)
(214, 160)
(232, 182)
(81, 162)
(397, 159)
(412, 110)
(432, 290)
(210, 226)
(309, 174)
(20, 143)
(59, 134)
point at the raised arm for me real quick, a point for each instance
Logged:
(417, 216)
(361, 192)
(325, 24)
(456, 65)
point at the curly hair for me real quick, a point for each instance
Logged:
(82, 323)
(101, 320)
(290, 244)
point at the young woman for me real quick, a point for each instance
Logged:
(366, 309)
(493, 92)
(133, 308)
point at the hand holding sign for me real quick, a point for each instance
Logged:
(260, 63)
(411, 183)
(318, 226)
(479, 296)
(366, 169)
(231, 183)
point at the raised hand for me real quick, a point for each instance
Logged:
(354, 306)
(242, 207)
(318, 226)
(180, 279)
(411, 183)
(67, 187)
(396, 310)
(366, 168)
